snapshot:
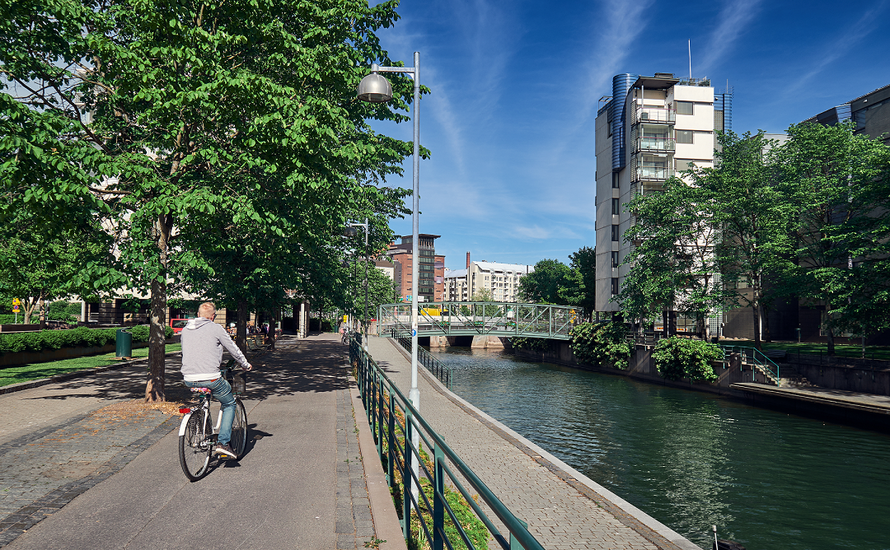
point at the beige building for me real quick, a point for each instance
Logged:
(501, 279)
(648, 130)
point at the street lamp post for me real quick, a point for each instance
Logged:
(351, 231)
(374, 88)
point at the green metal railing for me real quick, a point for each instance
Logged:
(755, 358)
(480, 318)
(401, 434)
(425, 358)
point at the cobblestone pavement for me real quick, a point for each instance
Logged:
(60, 440)
(563, 509)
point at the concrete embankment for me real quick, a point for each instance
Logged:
(563, 508)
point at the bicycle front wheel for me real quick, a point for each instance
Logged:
(195, 446)
(239, 429)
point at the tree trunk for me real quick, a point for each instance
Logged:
(154, 388)
(241, 331)
(829, 331)
(755, 309)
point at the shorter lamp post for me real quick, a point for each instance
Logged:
(351, 231)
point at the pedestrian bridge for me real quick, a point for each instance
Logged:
(506, 319)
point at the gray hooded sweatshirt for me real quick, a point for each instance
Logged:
(202, 349)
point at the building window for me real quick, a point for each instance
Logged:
(615, 261)
(616, 234)
(684, 136)
(615, 182)
(685, 108)
(614, 286)
(616, 207)
(685, 164)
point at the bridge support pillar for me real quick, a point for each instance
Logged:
(488, 342)
(439, 342)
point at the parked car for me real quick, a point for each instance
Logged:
(178, 325)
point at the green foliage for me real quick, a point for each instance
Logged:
(530, 344)
(684, 358)
(542, 285)
(602, 343)
(14, 342)
(10, 318)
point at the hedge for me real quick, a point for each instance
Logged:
(71, 338)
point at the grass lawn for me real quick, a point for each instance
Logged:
(36, 371)
(815, 348)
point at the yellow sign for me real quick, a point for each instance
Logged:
(16, 302)
(345, 318)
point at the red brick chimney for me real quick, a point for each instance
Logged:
(468, 260)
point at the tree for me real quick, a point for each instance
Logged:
(581, 289)
(237, 111)
(673, 263)
(753, 214)
(839, 180)
(544, 283)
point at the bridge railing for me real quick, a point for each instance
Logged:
(423, 471)
(480, 318)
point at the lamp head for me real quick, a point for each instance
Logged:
(374, 88)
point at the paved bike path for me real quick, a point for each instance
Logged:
(300, 484)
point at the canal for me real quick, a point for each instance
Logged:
(767, 479)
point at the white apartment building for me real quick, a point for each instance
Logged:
(648, 130)
(499, 278)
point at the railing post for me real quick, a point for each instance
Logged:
(407, 480)
(514, 544)
(380, 405)
(438, 500)
(391, 441)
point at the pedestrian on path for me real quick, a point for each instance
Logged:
(202, 350)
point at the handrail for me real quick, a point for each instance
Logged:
(383, 404)
(757, 358)
(425, 358)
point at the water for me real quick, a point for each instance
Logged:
(691, 460)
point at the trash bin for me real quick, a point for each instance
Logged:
(123, 343)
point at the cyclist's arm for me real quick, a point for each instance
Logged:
(229, 344)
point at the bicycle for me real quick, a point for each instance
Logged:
(197, 434)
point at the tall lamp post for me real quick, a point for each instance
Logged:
(374, 88)
(351, 231)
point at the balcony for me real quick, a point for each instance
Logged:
(653, 115)
(655, 144)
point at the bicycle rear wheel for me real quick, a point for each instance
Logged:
(195, 446)
(239, 429)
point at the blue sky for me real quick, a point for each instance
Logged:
(516, 85)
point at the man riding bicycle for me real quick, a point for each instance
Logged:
(202, 350)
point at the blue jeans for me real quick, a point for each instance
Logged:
(222, 392)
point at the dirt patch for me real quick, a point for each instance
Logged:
(138, 406)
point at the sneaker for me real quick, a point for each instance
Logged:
(225, 451)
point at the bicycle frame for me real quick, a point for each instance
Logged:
(203, 407)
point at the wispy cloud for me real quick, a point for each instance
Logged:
(734, 19)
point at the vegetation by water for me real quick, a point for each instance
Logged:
(602, 343)
(685, 358)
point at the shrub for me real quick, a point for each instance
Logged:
(601, 343)
(76, 337)
(679, 358)
(530, 344)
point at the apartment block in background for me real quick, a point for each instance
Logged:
(432, 268)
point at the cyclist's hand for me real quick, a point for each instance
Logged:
(249, 367)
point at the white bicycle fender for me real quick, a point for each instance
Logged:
(184, 423)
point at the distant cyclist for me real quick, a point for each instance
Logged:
(202, 350)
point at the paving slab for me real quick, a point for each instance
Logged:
(77, 475)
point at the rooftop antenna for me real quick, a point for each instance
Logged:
(690, 59)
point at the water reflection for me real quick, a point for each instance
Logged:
(691, 460)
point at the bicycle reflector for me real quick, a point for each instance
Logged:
(185, 410)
